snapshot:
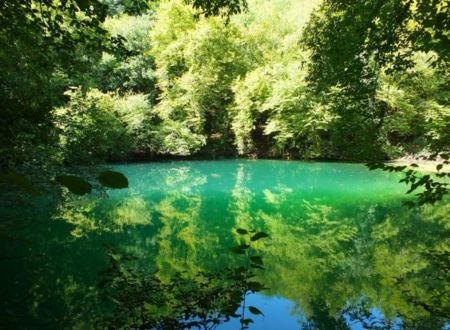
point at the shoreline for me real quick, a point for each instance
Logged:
(425, 166)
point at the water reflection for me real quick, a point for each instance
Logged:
(342, 252)
(143, 299)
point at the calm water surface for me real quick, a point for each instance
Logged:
(341, 253)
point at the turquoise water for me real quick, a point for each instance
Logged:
(341, 253)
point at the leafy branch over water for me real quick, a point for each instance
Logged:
(245, 273)
(434, 189)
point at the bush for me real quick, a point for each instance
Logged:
(141, 122)
(90, 130)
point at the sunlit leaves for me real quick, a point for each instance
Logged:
(195, 78)
(430, 189)
(90, 131)
(46, 45)
(218, 7)
(385, 52)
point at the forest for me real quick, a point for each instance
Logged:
(163, 161)
(131, 80)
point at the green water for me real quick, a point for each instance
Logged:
(342, 251)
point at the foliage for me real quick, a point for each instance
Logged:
(47, 46)
(434, 189)
(274, 104)
(196, 63)
(219, 7)
(358, 80)
(266, 82)
(44, 45)
(356, 44)
(129, 7)
(417, 108)
(142, 123)
(129, 68)
(90, 131)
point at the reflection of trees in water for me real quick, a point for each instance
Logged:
(326, 259)
(185, 300)
(330, 260)
(337, 264)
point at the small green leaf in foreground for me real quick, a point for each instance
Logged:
(246, 321)
(257, 260)
(111, 179)
(255, 310)
(259, 235)
(75, 184)
(241, 231)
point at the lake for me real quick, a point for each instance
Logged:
(228, 244)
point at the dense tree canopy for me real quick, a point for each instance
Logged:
(339, 80)
(356, 45)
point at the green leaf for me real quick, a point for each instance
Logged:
(246, 321)
(259, 235)
(255, 310)
(241, 231)
(439, 167)
(75, 184)
(111, 179)
(257, 260)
